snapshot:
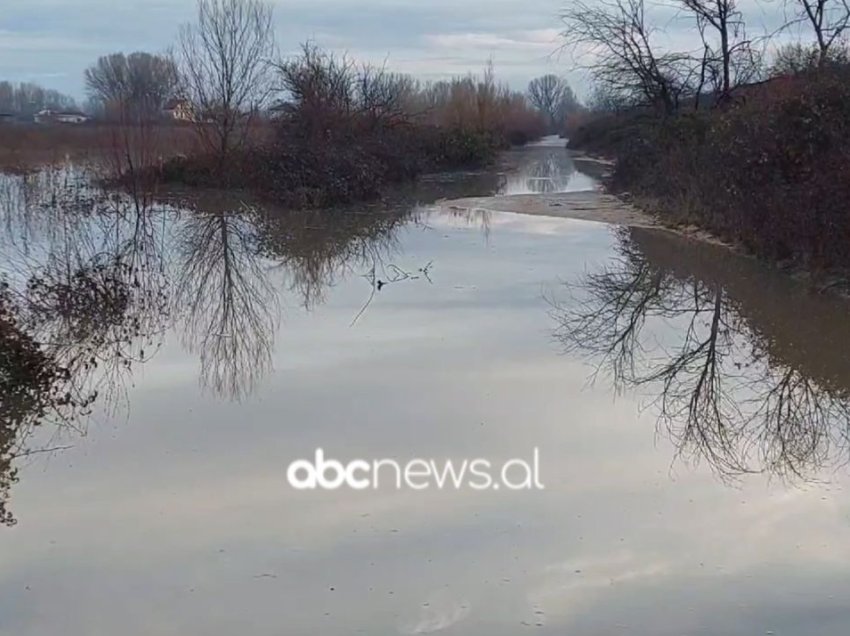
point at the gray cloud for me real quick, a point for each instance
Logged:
(52, 41)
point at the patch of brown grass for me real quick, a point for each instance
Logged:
(30, 146)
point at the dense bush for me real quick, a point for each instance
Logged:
(343, 132)
(314, 175)
(472, 104)
(608, 133)
(770, 170)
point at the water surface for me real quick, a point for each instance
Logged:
(690, 408)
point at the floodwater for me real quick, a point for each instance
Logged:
(543, 168)
(690, 409)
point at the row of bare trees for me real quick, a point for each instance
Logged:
(225, 70)
(322, 87)
(27, 99)
(627, 54)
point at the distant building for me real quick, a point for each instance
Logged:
(179, 110)
(60, 117)
(71, 117)
(279, 110)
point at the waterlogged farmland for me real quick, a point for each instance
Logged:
(164, 360)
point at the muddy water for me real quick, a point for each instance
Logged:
(543, 168)
(690, 409)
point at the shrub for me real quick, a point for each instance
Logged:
(345, 132)
(770, 170)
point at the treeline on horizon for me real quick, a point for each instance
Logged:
(748, 145)
(28, 98)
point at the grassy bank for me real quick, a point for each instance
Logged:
(768, 170)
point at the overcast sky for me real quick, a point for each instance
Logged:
(52, 41)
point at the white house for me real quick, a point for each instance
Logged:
(60, 117)
(71, 117)
(179, 110)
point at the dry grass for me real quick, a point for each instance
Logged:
(479, 103)
(27, 147)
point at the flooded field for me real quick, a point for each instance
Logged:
(164, 363)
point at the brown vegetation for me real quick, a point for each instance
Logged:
(309, 131)
(25, 147)
(714, 138)
(770, 171)
(342, 132)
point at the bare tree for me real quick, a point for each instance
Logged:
(619, 42)
(829, 20)
(7, 96)
(552, 96)
(728, 56)
(320, 89)
(323, 95)
(384, 98)
(224, 59)
(604, 100)
(569, 104)
(131, 90)
(140, 82)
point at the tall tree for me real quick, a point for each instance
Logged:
(224, 59)
(7, 96)
(552, 96)
(728, 53)
(623, 53)
(139, 82)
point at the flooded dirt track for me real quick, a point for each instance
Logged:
(690, 408)
(544, 180)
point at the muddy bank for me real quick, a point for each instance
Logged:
(593, 205)
(590, 205)
(603, 207)
(547, 186)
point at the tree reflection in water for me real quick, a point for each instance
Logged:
(316, 248)
(228, 305)
(543, 170)
(84, 295)
(91, 280)
(739, 375)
